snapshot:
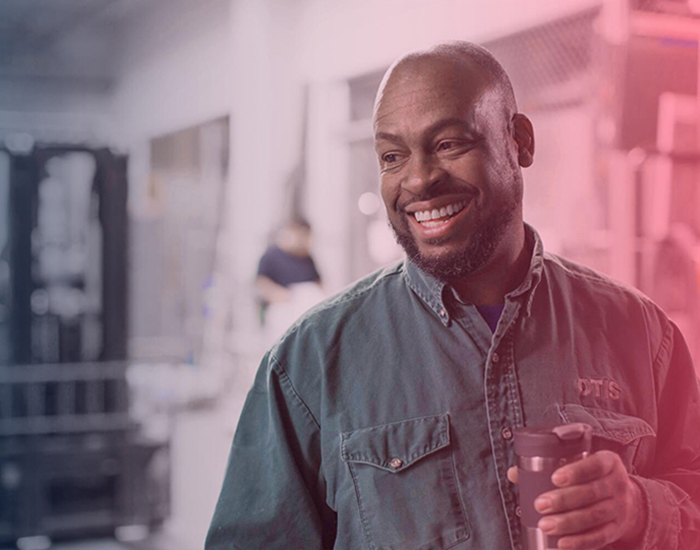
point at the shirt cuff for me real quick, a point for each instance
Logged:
(663, 526)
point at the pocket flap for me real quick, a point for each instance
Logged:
(610, 425)
(396, 446)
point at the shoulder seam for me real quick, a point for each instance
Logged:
(599, 278)
(353, 294)
(285, 376)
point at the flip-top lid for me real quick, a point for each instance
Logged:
(553, 440)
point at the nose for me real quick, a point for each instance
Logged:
(422, 174)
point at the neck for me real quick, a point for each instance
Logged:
(501, 275)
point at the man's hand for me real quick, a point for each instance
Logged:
(596, 504)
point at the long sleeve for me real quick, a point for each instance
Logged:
(273, 495)
(672, 495)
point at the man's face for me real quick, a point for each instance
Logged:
(449, 172)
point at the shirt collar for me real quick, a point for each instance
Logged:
(432, 290)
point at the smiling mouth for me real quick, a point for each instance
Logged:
(439, 216)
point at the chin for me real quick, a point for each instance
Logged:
(449, 261)
(456, 265)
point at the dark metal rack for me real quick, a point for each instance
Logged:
(73, 462)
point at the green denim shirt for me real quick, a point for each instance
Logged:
(383, 418)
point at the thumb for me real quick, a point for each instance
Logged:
(512, 474)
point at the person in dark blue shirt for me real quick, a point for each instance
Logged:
(287, 279)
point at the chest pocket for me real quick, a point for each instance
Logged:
(405, 484)
(613, 431)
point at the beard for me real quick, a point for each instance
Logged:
(474, 254)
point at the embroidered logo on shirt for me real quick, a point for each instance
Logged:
(607, 389)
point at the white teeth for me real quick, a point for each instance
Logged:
(449, 210)
(432, 223)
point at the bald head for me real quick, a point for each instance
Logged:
(466, 60)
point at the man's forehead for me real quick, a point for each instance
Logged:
(426, 84)
(432, 76)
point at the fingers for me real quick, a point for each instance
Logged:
(590, 468)
(593, 467)
(578, 496)
(598, 477)
(593, 504)
(590, 507)
(580, 520)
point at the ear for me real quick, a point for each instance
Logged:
(524, 136)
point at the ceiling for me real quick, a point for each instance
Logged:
(62, 37)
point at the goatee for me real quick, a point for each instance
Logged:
(471, 258)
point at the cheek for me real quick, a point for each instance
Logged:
(389, 191)
(471, 169)
(499, 164)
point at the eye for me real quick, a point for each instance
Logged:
(446, 145)
(391, 159)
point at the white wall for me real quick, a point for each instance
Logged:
(267, 120)
(193, 62)
(173, 73)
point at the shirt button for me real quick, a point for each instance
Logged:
(507, 434)
(518, 511)
(495, 358)
(396, 463)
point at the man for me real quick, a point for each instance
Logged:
(384, 419)
(287, 279)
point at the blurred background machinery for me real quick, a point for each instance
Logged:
(73, 461)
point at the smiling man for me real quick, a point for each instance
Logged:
(384, 418)
(450, 145)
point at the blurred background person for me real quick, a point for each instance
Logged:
(287, 280)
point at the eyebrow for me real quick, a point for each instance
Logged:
(430, 130)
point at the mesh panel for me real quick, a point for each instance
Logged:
(556, 56)
(676, 7)
(549, 65)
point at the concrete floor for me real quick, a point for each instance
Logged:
(200, 450)
(200, 446)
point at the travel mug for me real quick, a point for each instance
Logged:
(540, 451)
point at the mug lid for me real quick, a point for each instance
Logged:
(553, 440)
